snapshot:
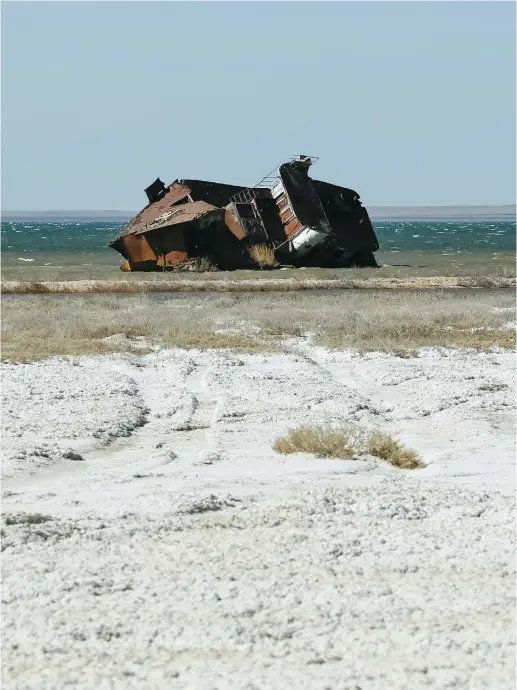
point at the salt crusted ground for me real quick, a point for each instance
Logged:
(153, 539)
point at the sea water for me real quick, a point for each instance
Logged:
(81, 249)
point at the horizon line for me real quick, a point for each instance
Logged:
(128, 211)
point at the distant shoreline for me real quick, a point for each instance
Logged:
(377, 213)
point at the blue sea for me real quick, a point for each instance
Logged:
(82, 248)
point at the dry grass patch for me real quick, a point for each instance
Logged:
(322, 441)
(45, 326)
(419, 331)
(203, 265)
(264, 255)
(88, 342)
(41, 325)
(347, 442)
(206, 278)
(384, 446)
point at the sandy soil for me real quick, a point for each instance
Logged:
(153, 539)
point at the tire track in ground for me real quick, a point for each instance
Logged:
(371, 404)
(200, 438)
(183, 411)
(163, 388)
(182, 417)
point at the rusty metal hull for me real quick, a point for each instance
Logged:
(306, 222)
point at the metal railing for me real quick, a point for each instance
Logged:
(268, 182)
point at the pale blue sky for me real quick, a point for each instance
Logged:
(409, 103)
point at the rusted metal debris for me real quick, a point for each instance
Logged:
(303, 222)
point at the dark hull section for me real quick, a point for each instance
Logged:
(288, 217)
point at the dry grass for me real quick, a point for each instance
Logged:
(203, 265)
(414, 331)
(32, 287)
(401, 322)
(323, 441)
(264, 255)
(383, 446)
(347, 442)
(44, 326)
(205, 278)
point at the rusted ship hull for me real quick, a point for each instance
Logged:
(305, 222)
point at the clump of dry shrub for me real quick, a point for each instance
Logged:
(384, 446)
(203, 265)
(264, 255)
(347, 442)
(323, 441)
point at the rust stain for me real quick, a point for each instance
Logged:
(233, 223)
(184, 213)
(176, 194)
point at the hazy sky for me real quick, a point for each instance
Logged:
(409, 103)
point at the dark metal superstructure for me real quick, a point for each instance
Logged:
(304, 222)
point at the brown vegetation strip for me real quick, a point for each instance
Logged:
(254, 285)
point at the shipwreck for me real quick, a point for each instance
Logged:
(288, 218)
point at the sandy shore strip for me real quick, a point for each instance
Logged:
(252, 285)
(153, 538)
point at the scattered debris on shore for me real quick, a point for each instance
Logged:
(288, 218)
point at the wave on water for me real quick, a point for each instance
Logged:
(93, 238)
